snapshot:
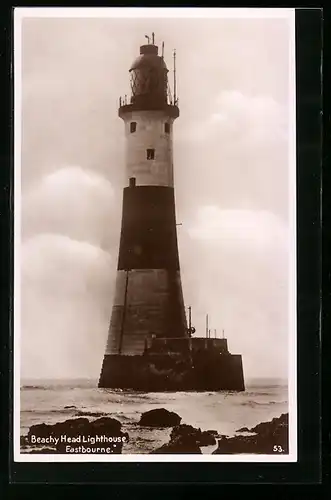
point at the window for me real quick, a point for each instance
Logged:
(167, 128)
(133, 127)
(150, 154)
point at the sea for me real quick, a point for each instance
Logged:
(52, 401)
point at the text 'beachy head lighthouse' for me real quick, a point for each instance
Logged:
(148, 298)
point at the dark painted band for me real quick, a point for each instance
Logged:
(148, 233)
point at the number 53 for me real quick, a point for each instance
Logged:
(277, 448)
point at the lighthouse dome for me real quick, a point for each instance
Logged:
(149, 58)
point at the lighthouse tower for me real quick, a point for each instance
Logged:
(148, 300)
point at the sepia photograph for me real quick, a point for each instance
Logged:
(155, 235)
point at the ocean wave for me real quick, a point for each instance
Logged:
(256, 394)
(51, 387)
(46, 411)
(269, 386)
(125, 416)
(34, 387)
(64, 411)
(82, 413)
(59, 385)
(257, 403)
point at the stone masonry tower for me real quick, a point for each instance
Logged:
(148, 300)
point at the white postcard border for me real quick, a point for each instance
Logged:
(192, 13)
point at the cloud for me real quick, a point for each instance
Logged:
(70, 201)
(63, 264)
(237, 154)
(234, 267)
(66, 285)
(68, 221)
(262, 230)
(250, 119)
(261, 117)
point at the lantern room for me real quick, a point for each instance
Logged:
(150, 89)
(149, 81)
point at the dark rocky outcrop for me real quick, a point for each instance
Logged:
(24, 442)
(102, 433)
(160, 417)
(269, 438)
(45, 451)
(190, 433)
(177, 446)
(274, 427)
(187, 439)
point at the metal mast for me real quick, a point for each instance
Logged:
(175, 91)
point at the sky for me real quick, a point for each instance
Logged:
(231, 161)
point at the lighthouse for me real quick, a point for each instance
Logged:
(148, 300)
(149, 345)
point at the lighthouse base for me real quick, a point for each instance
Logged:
(206, 368)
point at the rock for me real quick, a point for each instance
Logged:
(207, 438)
(177, 446)
(270, 438)
(24, 441)
(267, 428)
(43, 450)
(71, 427)
(106, 425)
(213, 432)
(39, 430)
(187, 439)
(82, 430)
(159, 417)
(190, 433)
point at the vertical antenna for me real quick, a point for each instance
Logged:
(162, 50)
(207, 325)
(175, 76)
(215, 333)
(189, 318)
(153, 38)
(223, 334)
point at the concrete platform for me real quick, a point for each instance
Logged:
(204, 368)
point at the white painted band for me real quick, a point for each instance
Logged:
(153, 131)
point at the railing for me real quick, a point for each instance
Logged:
(123, 101)
(185, 344)
(126, 100)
